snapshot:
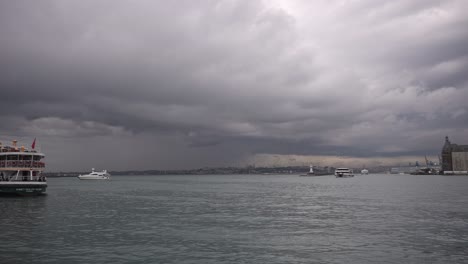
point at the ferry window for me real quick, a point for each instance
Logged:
(12, 157)
(2, 157)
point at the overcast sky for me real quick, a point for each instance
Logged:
(142, 84)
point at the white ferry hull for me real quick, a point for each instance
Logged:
(22, 188)
(344, 175)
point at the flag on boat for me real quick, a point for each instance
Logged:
(33, 144)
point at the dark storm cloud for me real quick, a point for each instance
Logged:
(236, 77)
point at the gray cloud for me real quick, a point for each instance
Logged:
(214, 82)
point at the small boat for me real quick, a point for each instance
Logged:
(425, 171)
(364, 171)
(95, 175)
(344, 173)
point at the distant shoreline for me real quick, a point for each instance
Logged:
(221, 171)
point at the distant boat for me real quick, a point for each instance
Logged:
(344, 173)
(425, 171)
(365, 171)
(95, 175)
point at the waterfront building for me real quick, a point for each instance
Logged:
(454, 157)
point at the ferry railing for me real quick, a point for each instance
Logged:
(22, 164)
(23, 178)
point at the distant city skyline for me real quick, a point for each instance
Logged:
(123, 85)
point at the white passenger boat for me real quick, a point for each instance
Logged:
(21, 170)
(365, 171)
(344, 173)
(95, 175)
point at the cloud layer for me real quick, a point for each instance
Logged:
(205, 83)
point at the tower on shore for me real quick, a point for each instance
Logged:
(454, 157)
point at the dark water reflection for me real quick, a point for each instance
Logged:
(240, 219)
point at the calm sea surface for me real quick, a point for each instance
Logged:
(240, 219)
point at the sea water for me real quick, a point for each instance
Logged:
(240, 219)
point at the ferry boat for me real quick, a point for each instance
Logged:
(95, 175)
(21, 170)
(344, 173)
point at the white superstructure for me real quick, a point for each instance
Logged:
(344, 173)
(365, 171)
(95, 175)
